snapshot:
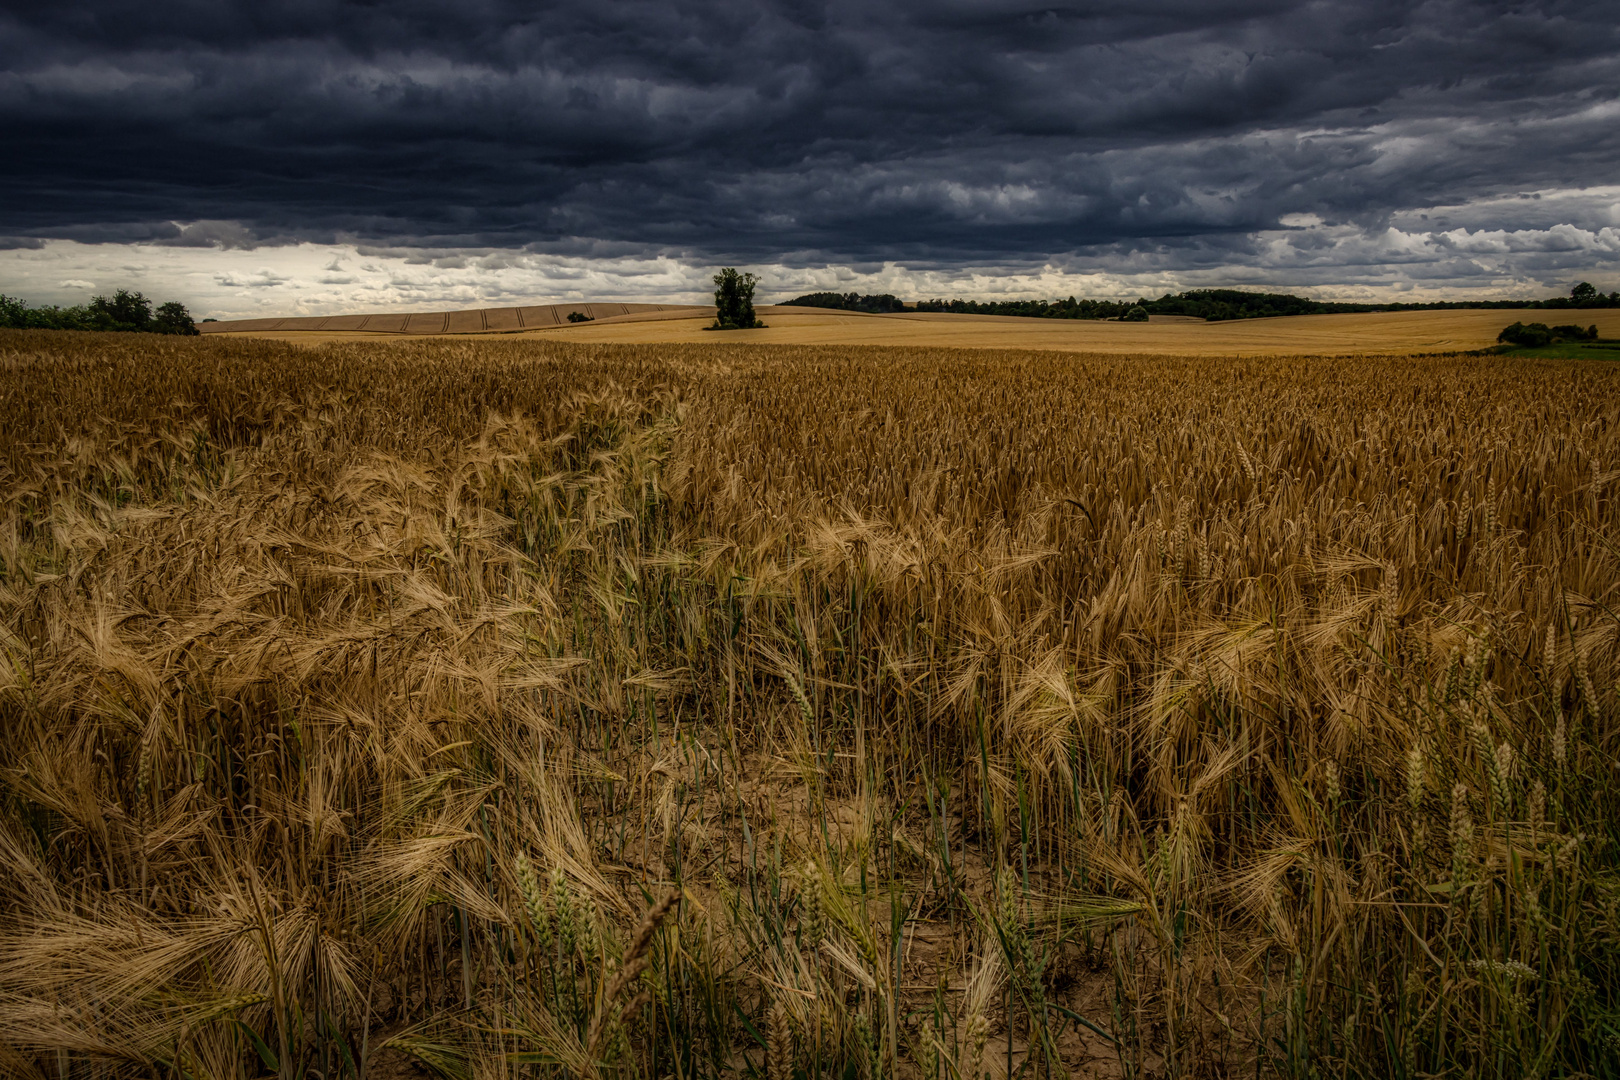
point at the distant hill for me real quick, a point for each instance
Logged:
(1215, 305)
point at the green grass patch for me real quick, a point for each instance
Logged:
(1567, 350)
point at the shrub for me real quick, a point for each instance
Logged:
(1137, 313)
(1534, 335)
(1527, 336)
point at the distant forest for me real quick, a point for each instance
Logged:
(125, 311)
(878, 305)
(1216, 305)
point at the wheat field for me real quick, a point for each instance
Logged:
(514, 707)
(1401, 332)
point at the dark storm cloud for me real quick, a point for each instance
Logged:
(939, 133)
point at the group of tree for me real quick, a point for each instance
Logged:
(1534, 335)
(1215, 305)
(125, 311)
(734, 301)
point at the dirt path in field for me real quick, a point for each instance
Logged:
(1378, 332)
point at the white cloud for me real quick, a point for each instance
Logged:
(1525, 244)
(264, 278)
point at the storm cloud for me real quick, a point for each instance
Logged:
(1233, 140)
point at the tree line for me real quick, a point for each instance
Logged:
(1216, 305)
(125, 311)
(880, 304)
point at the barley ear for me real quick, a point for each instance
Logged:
(779, 1049)
(635, 962)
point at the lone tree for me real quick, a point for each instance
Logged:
(734, 301)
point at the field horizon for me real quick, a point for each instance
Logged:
(1402, 332)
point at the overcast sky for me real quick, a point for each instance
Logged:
(322, 156)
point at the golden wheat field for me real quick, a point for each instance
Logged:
(541, 708)
(1406, 332)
